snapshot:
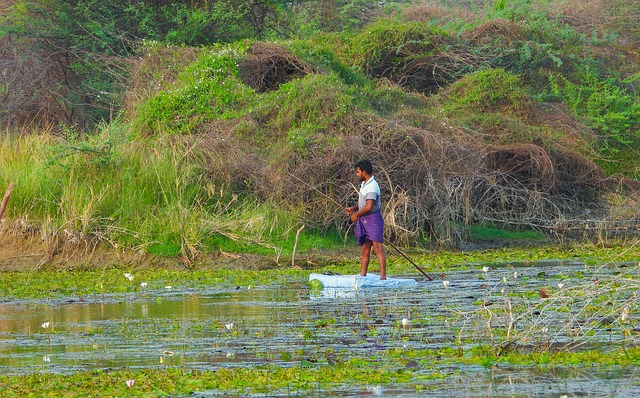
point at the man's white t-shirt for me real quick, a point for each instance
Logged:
(369, 190)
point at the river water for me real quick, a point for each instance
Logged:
(544, 305)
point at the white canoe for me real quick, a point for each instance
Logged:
(353, 281)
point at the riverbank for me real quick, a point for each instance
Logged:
(28, 268)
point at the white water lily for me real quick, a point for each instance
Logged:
(446, 284)
(229, 326)
(45, 325)
(168, 287)
(375, 390)
(46, 358)
(560, 285)
(504, 279)
(143, 284)
(544, 330)
(130, 383)
(485, 269)
(515, 275)
(405, 323)
(625, 314)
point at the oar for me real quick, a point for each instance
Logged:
(408, 259)
(342, 207)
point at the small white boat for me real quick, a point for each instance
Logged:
(360, 282)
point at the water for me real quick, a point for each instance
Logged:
(286, 325)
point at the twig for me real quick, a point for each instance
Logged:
(295, 245)
(6, 199)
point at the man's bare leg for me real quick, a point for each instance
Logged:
(366, 256)
(382, 259)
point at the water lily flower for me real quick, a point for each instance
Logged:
(504, 279)
(485, 269)
(446, 284)
(230, 355)
(405, 323)
(544, 330)
(45, 325)
(560, 285)
(375, 390)
(229, 326)
(625, 314)
(143, 284)
(515, 275)
(168, 287)
(131, 383)
(46, 358)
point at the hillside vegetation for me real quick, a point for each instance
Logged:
(185, 128)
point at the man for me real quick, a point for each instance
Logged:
(368, 218)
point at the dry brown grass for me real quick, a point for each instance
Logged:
(428, 11)
(266, 66)
(154, 70)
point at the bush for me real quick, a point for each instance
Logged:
(209, 88)
(489, 90)
(413, 55)
(610, 108)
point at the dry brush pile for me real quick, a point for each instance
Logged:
(436, 175)
(478, 150)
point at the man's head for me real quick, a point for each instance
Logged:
(364, 169)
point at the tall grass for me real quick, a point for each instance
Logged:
(132, 194)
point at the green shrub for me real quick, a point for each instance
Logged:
(413, 55)
(610, 108)
(207, 89)
(489, 90)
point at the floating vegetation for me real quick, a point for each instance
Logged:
(218, 338)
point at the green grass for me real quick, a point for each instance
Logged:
(111, 189)
(483, 233)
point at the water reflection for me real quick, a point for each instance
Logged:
(165, 329)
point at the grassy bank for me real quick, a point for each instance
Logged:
(511, 115)
(82, 281)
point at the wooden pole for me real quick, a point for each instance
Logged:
(6, 199)
(342, 207)
(295, 245)
(408, 259)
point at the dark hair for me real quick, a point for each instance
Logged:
(365, 165)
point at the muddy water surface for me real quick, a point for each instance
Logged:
(289, 325)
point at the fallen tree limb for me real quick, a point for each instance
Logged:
(6, 199)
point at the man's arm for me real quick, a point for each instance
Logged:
(365, 210)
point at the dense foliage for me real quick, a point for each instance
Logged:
(180, 126)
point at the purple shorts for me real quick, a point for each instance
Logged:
(370, 227)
